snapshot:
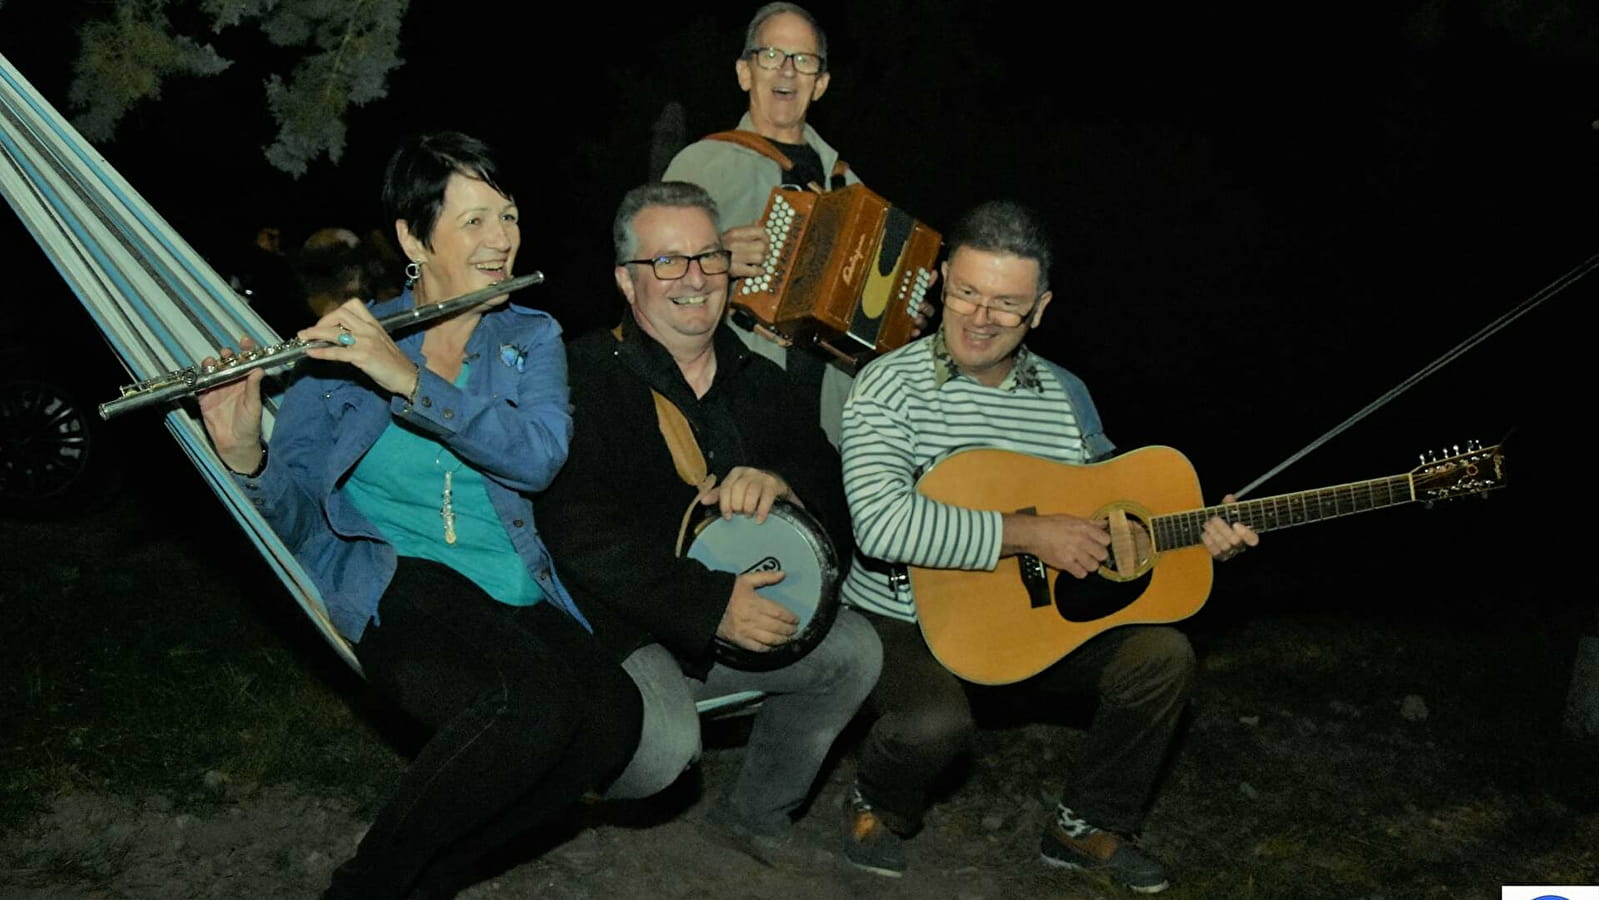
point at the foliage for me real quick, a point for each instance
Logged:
(1556, 28)
(346, 51)
(125, 59)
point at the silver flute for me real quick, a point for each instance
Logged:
(199, 377)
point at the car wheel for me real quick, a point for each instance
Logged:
(50, 450)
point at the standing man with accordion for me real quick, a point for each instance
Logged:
(783, 69)
(673, 416)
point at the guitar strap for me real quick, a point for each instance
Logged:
(1096, 446)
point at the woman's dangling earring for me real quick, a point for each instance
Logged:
(413, 271)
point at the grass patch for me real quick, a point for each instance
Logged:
(146, 653)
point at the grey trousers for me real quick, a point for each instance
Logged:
(807, 704)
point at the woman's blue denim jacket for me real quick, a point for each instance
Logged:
(511, 422)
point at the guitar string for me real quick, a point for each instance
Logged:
(1526, 306)
(1286, 510)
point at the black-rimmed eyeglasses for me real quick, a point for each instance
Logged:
(773, 58)
(671, 268)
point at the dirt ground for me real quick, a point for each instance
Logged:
(1332, 785)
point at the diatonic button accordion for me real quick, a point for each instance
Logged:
(845, 270)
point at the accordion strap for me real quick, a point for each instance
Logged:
(749, 140)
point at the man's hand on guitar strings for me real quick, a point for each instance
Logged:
(1226, 540)
(752, 621)
(1063, 542)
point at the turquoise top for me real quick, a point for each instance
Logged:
(399, 485)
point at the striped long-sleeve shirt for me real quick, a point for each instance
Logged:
(909, 409)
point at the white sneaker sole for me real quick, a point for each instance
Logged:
(1137, 889)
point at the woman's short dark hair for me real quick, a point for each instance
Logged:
(419, 170)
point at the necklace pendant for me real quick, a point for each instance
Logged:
(447, 509)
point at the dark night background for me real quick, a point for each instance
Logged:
(1266, 217)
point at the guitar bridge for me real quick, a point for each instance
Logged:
(1035, 578)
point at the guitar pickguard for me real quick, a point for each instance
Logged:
(1094, 598)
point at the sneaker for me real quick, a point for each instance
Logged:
(1105, 852)
(868, 842)
(779, 849)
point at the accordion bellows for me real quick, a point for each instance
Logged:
(845, 270)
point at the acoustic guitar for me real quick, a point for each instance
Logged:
(1005, 625)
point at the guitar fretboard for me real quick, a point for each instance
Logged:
(1183, 529)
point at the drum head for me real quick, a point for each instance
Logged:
(791, 541)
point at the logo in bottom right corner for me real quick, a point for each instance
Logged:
(1549, 892)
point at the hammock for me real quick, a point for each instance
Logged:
(159, 305)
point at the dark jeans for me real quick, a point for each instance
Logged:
(529, 714)
(1142, 676)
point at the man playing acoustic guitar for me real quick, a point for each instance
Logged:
(974, 384)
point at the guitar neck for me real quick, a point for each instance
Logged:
(1176, 530)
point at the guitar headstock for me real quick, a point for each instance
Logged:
(1456, 472)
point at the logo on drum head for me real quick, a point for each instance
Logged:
(769, 564)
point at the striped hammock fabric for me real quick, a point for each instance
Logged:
(160, 306)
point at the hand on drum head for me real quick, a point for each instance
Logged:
(754, 622)
(749, 492)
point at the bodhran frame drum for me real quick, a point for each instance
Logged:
(790, 540)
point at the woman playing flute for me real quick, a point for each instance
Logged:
(399, 473)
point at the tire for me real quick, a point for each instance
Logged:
(52, 450)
